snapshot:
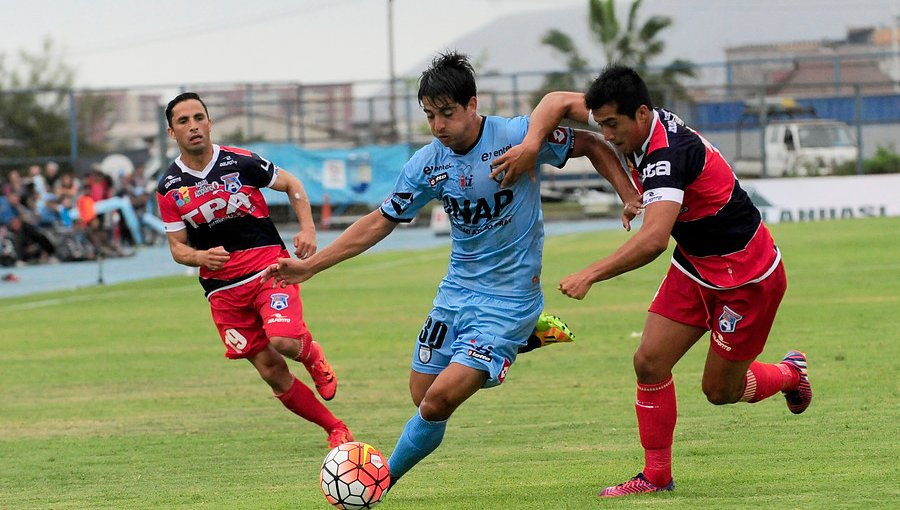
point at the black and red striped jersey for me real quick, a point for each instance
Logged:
(223, 205)
(721, 239)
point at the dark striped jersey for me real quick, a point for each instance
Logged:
(721, 239)
(223, 205)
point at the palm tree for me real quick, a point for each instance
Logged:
(636, 45)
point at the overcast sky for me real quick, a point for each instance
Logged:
(150, 42)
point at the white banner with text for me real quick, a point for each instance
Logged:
(825, 198)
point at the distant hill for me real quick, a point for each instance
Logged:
(700, 32)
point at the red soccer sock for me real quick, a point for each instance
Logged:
(767, 379)
(656, 414)
(303, 402)
(305, 348)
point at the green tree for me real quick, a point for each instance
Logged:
(34, 105)
(635, 44)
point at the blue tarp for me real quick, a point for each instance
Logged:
(362, 175)
(873, 109)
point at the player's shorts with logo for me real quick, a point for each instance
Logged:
(250, 313)
(739, 319)
(476, 330)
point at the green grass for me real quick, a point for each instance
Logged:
(118, 397)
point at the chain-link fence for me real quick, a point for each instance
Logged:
(730, 103)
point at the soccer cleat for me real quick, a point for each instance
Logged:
(637, 485)
(550, 329)
(799, 398)
(339, 435)
(321, 372)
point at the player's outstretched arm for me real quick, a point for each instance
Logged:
(546, 116)
(651, 240)
(359, 237)
(305, 240)
(607, 162)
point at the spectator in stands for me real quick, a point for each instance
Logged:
(98, 185)
(36, 184)
(31, 245)
(7, 250)
(51, 175)
(133, 187)
(14, 184)
(93, 226)
(136, 188)
(67, 186)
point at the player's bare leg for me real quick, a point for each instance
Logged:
(419, 384)
(453, 386)
(724, 380)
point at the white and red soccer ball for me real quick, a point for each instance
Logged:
(354, 476)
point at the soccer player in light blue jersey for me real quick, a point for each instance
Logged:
(488, 303)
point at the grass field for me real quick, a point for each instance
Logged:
(118, 397)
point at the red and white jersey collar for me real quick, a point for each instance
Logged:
(203, 173)
(646, 145)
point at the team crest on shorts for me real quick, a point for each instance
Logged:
(728, 320)
(279, 301)
(424, 354)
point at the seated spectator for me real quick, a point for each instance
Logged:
(29, 243)
(36, 183)
(51, 175)
(57, 213)
(92, 224)
(97, 184)
(8, 255)
(7, 211)
(67, 186)
(14, 184)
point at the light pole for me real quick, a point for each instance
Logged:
(392, 133)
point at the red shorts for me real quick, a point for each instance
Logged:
(249, 314)
(740, 319)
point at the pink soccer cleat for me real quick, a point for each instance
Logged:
(637, 485)
(798, 399)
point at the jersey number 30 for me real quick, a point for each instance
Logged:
(433, 333)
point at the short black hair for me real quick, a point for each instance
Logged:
(449, 76)
(184, 96)
(621, 85)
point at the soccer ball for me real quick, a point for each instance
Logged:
(354, 476)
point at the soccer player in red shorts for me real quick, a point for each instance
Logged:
(726, 276)
(216, 218)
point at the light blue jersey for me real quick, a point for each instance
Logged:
(489, 301)
(497, 234)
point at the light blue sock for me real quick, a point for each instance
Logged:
(418, 440)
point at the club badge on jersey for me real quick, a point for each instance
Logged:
(232, 182)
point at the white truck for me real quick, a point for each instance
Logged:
(801, 148)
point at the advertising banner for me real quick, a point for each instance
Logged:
(362, 175)
(825, 198)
